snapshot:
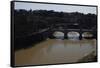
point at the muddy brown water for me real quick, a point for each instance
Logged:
(54, 51)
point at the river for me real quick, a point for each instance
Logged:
(53, 51)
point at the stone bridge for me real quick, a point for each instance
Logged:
(80, 31)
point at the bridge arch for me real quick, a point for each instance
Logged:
(73, 35)
(58, 34)
(87, 35)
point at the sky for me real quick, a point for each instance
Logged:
(55, 7)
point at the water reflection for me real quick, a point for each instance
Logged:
(55, 51)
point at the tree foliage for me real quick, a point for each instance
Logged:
(29, 21)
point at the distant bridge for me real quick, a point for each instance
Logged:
(66, 30)
(50, 30)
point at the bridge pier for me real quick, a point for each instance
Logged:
(80, 37)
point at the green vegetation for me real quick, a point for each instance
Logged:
(29, 21)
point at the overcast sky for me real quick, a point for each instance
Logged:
(55, 7)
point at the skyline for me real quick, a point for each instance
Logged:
(55, 7)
